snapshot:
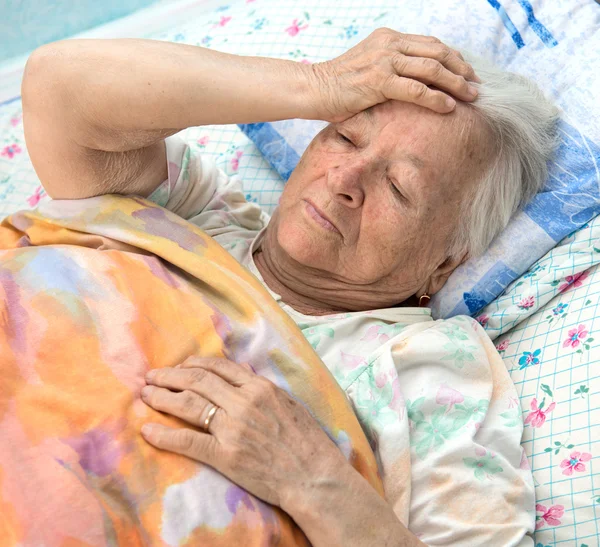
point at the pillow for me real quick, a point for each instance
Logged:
(557, 44)
(551, 352)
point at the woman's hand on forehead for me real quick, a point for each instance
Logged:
(391, 65)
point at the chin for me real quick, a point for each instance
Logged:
(302, 245)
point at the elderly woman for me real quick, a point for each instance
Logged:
(423, 163)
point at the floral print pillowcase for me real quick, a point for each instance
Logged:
(545, 327)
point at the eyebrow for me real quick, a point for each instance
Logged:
(415, 160)
(367, 115)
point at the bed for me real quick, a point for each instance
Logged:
(545, 322)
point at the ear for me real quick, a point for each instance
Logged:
(442, 273)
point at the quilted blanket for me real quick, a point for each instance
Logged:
(93, 294)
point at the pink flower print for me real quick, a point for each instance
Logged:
(574, 462)
(524, 461)
(34, 199)
(224, 20)
(371, 334)
(14, 121)
(295, 28)
(480, 451)
(575, 337)
(526, 303)
(235, 161)
(448, 396)
(249, 1)
(377, 332)
(483, 319)
(352, 361)
(10, 150)
(572, 281)
(537, 416)
(397, 403)
(503, 346)
(548, 516)
(203, 141)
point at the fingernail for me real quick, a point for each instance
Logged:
(472, 91)
(146, 391)
(150, 374)
(177, 366)
(450, 103)
(146, 430)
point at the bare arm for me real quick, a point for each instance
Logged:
(96, 112)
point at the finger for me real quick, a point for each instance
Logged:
(413, 91)
(196, 379)
(439, 52)
(458, 54)
(193, 444)
(187, 405)
(236, 374)
(430, 71)
(420, 38)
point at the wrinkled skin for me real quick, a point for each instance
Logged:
(389, 246)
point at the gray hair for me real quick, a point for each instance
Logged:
(523, 126)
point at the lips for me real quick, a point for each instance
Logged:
(320, 217)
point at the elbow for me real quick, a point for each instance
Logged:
(45, 77)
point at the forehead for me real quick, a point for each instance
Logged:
(404, 131)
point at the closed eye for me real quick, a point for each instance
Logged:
(345, 139)
(396, 190)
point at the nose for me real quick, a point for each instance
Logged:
(346, 181)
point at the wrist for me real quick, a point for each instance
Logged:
(344, 509)
(309, 102)
(321, 97)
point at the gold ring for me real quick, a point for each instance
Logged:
(210, 417)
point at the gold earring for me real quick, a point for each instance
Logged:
(424, 300)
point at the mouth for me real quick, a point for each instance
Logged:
(320, 218)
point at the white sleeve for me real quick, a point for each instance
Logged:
(198, 191)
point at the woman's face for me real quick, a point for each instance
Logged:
(391, 180)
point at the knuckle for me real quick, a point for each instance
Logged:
(416, 90)
(188, 402)
(468, 71)
(385, 35)
(159, 374)
(262, 392)
(398, 61)
(186, 440)
(388, 82)
(192, 360)
(268, 388)
(445, 55)
(198, 375)
(433, 67)
(256, 397)
(458, 54)
(383, 31)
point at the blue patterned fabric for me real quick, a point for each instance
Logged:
(556, 45)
